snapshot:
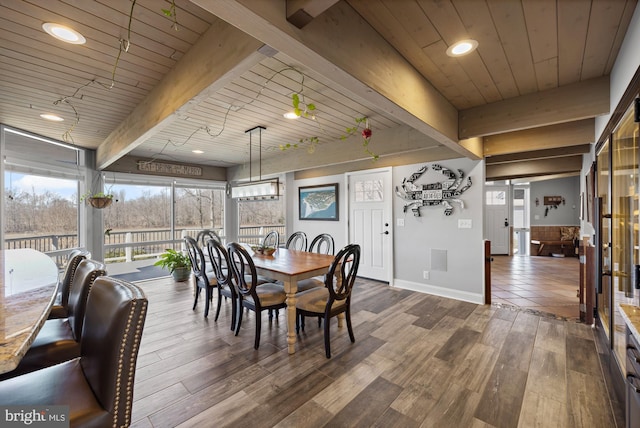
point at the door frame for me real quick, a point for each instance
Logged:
(388, 197)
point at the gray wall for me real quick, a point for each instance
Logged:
(433, 233)
(463, 277)
(565, 215)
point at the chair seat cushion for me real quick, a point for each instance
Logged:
(308, 284)
(62, 384)
(58, 311)
(270, 294)
(54, 344)
(315, 300)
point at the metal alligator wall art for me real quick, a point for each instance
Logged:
(442, 193)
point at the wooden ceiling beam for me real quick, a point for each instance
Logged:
(539, 154)
(218, 56)
(534, 168)
(547, 137)
(302, 12)
(568, 103)
(341, 45)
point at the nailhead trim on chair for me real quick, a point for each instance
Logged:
(136, 344)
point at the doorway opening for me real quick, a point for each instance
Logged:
(521, 278)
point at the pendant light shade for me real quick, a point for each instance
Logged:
(259, 190)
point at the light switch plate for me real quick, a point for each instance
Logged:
(400, 222)
(464, 223)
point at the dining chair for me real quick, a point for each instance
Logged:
(205, 279)
(97, 387)
(272, 239)
(257, 298)
(60, 308)
(220, 262)
(59, 339)
(335, 297)
(297, 241)
(204, 235)
(322, 244)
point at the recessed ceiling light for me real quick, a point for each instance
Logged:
(198, 152)
(51, 117)
(63, 33)
(463, 47)
(290, 115)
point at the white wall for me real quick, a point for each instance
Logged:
(463, 278)
(313, 228)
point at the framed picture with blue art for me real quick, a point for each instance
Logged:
(318, 202)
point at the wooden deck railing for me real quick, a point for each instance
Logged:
(126, 246)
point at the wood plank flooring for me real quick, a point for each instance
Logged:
(418, 361)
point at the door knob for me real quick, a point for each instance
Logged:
(386, 232)
(506, 223)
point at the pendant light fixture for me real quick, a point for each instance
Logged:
(259, 190)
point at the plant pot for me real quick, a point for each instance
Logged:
(181, 274)
(99, 202)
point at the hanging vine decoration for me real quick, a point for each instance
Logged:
(307, 110)
(301, 107)
(123, 46)
(208, 129)
(171, 13)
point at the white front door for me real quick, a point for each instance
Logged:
(370, 222)
(496, 218)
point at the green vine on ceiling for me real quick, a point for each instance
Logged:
(171, 13)
(123, 46)
(302, 109)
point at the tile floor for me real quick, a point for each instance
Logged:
(544, 284)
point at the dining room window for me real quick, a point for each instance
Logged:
(257, 218)
(41, 180)
(199, 207)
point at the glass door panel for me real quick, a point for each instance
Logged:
(624, 225)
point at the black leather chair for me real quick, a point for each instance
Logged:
(335, 297)
(205, 279)
(59, 339)
(297, 241)
(98, 385)
(60, 306)
(251, 295)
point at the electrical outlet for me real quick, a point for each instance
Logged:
(425, 274)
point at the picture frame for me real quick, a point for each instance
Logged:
(320, 202)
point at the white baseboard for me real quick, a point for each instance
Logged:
(440, 291)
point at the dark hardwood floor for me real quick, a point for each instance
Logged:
(418, 361)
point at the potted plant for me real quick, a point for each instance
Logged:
(178, 263)
(97, 200)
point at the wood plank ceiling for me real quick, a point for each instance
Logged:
(527, 95)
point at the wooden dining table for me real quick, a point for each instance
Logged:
(291, 266)
(28, 287)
